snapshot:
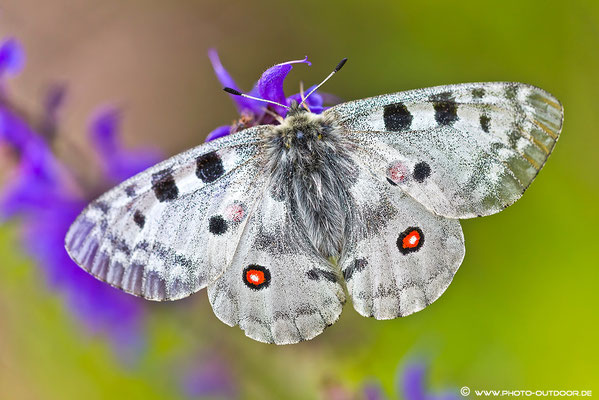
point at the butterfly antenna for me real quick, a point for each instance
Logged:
(337, 68)
(247, 96)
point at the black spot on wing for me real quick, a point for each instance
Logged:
(485, 120)
(421, 171)
(164, 185)
(391, 182)
(357, 266)
(209, 167)
(397, 117)
(217, 225)
(446, 109)
(316, 273)
(139, 219)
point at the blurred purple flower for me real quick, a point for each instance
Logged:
(118, 163)
(268, 87)
(45, 196)
(12, 57)
(413, 385)
(372, 391)
(209, 377)
(53, 102)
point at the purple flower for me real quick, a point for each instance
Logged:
(413, 385)
(52, 105)
(12, 57)
(210, 376)
(45, 195)
(372, 391)
(268, 87)
(117, 162)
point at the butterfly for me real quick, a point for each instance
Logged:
(283, 222)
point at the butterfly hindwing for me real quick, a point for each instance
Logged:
(170, 230)
(461, 150)
(400, 257)
(277, 289)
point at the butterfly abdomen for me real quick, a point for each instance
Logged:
(309, 164)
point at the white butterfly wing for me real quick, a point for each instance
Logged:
(460, 150)
(400, 257)
(170, 230)
(277, 289)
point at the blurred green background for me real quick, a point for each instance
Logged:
(521, 312)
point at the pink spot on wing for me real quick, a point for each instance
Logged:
(398, 172)
(235, 212)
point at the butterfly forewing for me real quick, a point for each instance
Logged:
(170, 230)
(461, 150)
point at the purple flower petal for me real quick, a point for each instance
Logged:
(38, 178)
(210, 376)
(12, 57)
(104, 130)
(219, 132)
(27, 192)
(54, 100)
(270, 85)
(314, 102)
(242, 103)
(118, 163)
(372, 391)
(14, 131)
(221, 73)
(413, 384)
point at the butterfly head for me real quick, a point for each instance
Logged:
(295, 108)
(301, 130)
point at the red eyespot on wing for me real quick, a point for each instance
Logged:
(410, 240)
(256, 276)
